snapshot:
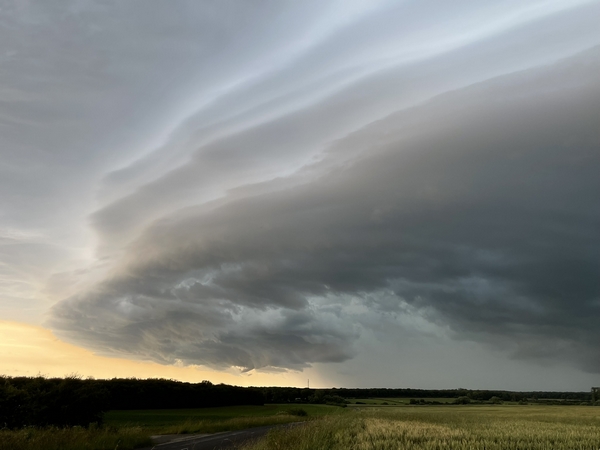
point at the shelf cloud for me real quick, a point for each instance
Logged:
(477, 210)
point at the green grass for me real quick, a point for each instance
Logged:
(74, 439)
(443, 427)
(127, 430)
(213, 420)
(380, 401)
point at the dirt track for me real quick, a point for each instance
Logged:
(217, 441)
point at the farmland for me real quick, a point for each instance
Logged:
(456, 427)
(367, 423)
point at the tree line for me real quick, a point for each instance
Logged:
(285, 394)
(70, 401)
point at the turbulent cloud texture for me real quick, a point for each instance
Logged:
(273, 185)
(479, 209)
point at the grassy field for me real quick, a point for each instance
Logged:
(378, 401)
(456, 427)
(391, 401)
(128, 430)
(213, 420)
(74, 439)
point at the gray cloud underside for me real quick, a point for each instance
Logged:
(479, 210)
(129, 111)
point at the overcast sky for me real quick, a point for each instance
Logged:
(366, 192)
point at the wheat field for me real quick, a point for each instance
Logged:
(458, 428)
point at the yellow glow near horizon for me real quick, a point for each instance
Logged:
(29, 350)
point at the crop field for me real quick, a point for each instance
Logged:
(456, 427)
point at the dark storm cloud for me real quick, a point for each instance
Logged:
(478, 210)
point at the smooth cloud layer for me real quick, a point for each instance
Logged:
(477, 211)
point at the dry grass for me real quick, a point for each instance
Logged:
(458, 428)
(74, 439)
